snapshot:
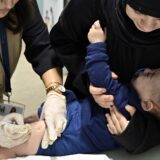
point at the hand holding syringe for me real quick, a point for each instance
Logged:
(13, 131)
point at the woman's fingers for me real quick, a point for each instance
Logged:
(130, 109)
(123, 122)
(100, 97)
(110, 125)
(114, 76)
(120, 118)
(104, 101)
(117, 123)
(113, 123)
(96, 91)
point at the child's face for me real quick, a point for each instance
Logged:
(142, 81)
(146, 84)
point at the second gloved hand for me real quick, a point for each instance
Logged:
(13, 131)
(54, 114)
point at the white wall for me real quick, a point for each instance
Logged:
(40, 4)
(57, 7)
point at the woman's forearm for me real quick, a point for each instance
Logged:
(52, 75)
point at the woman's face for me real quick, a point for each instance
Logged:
(6, 6)
(144, 23)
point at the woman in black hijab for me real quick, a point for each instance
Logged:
(133, 41)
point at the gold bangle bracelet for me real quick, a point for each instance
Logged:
(53, 83)
(57, 88)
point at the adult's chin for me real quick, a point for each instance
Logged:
(142, 29)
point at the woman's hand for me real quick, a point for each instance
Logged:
(54, 114)
(13, 131)
(117, 123)
(100, 96)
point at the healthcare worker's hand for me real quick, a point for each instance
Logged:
(13, 131)
(100, 95)
(54, 114)
(117, 123)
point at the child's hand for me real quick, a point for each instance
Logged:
(117, 123)
(96, 33)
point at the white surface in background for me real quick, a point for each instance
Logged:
(70, 157)
(83, 157)
(32, 158)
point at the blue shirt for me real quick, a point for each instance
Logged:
(100, 76)
(86, 130)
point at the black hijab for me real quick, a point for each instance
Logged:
(127, 28)
(129, 49)
(148, 7)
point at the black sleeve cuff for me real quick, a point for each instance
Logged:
(131, 138)
(142, 133)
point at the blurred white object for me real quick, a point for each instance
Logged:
(32, 158)
(83, 157)
(70, 157)
(13, 131)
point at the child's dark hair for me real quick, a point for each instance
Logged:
(16, 18)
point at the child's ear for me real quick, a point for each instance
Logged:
(147, 105)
